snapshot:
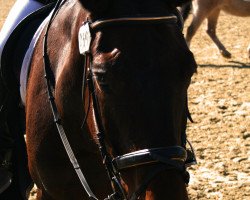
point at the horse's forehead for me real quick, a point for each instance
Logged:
(138, 7)
(124, 56)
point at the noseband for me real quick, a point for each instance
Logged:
(163, 158)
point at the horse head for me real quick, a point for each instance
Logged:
(141, 71)
(136, 73)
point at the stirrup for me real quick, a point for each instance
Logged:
(191, 158)
(5, 171)
(5, 180)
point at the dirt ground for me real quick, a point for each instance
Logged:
(219, 100)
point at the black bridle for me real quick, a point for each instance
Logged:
(164, 158)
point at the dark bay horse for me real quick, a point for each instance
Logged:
(210, 10)
(122, 105)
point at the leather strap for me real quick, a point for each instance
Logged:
(134, 20)
(45, 2)
(174, 156)
(50, 85)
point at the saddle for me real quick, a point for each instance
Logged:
(16, 47)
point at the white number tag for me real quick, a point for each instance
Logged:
(84, 39)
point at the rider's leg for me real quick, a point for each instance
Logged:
(6, 144)
(19, 11)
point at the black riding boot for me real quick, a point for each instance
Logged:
(14, 174)
(5, 174)
(6, 142)
(6, 146)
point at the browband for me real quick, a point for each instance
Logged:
(172, 19)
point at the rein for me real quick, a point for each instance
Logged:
(165, 158)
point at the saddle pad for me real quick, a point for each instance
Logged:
(16, 47)
(27, 61)
(25, 69)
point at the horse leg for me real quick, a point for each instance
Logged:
(212, 20)
(198, 17)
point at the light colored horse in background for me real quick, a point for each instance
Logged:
(210, 10)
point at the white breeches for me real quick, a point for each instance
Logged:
(20, 10)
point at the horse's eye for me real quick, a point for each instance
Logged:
(105, 88)
(102, 82)
(100, 77)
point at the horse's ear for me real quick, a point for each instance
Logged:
(96, 6)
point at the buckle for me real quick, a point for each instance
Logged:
(191, 159)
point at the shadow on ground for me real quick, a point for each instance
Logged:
(230, 64)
